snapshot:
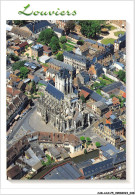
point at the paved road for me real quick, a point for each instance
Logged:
(20, 123)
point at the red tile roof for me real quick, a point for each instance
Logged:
(23, 44)
(108, 114)
(124, 95)
(84, 93)
(115, 101)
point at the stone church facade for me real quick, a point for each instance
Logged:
(62, 108)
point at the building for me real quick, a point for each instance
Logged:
(66, 171)
(113, 88)
(100, 108)
(47, 50)
(63, 81)
(83, 77)
(120, 42)
(57, 65)
(37, 26)
(96, 70)
(15, 173)
(37, 50)
(119, 66)
(75, 60)
(61, 23)
(58, 31)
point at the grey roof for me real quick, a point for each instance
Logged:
(115, 85)
(63, 73)
(66, 171)
(98, 168)
(43, 82)
(117, 124)
(38, 46)
(58, 30)
(54, 152)
(76, 57)
(109, 150)
(74, 36)
(7, 75)
(61, 64)
(123, 88)
(36, 79)
(84, 164)
(93, 94)
(119, 158)
(37, 150)
(54, 92)
(121, 38)
(52, 71)
(38, 25)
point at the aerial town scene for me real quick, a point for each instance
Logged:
(66, 99)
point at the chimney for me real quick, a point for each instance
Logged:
(33, 28)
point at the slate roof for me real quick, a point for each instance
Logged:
(98, 168)
(63, 73)
(93, 94)
(117, 123)
(61, 64)
(55, 29)
(109, 150)
(76, 57)
(74, 36)
(121, 39)
(119, 158)
(66, 171)
(115, 85)
(54, 92)
(38, 25)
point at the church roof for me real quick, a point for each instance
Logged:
(54, 92)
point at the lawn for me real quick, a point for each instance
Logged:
(107, 41)
(70, 42)
(110, 27)
(118, 33)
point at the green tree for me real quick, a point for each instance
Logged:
(122, 75)
(88, 139)
(82, 98)
(46, 35)
(27, 54)
(32, 57)
(82, 138)
(14, 57)
(90, 28)
(19, 22)
(60, 57)
(34, 86)
(23, 72)
(98, 144)
(80, 42)
(70, 26)
(54, 44)
(85, 151)
(98, 91)
(17, 65)
(63, 39)
(63, 46)
(37, 59)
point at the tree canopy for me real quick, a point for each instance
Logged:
(19, 22)
(46, 35)
(14, 57)
(17, 65)
(60, 57)
(98, 144)
(23, 72)
(63, 39)
(122, 75)
(70, 26)
(54, 44)
(90, 28)
(82, 98)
